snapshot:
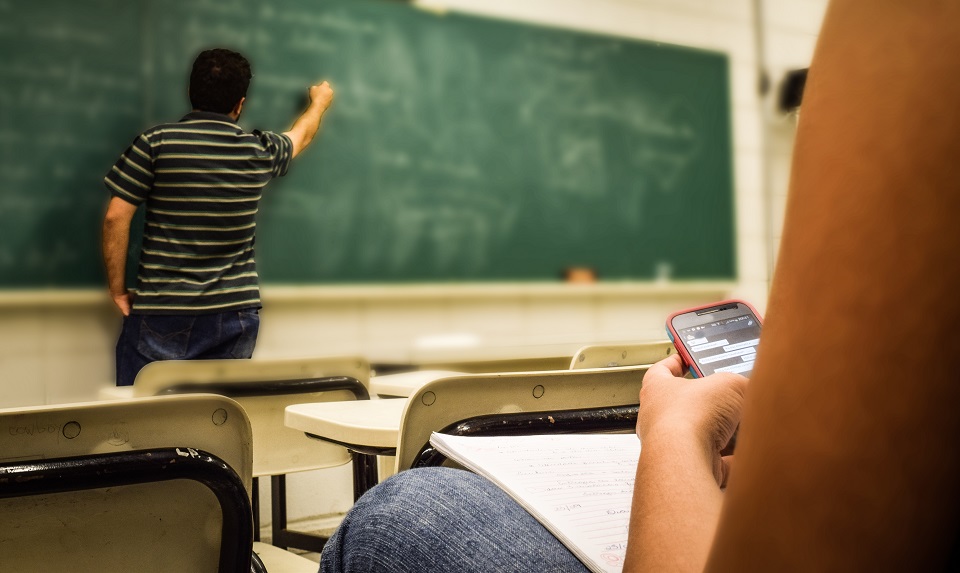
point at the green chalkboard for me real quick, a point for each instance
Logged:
(459, 148)
(71, 96)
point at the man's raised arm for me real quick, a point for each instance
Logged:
(307, 125)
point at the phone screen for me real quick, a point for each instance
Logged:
(722, 341)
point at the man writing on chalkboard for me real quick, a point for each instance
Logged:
(201, 179)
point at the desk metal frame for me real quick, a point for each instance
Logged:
(60, 475)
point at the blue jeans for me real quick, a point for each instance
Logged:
(442, 520)
(146, 338)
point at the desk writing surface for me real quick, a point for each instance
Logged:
(404, 384)
(372, 423)
(459, 148)
(115, 393)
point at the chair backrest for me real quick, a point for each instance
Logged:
(611, 355)
(147, 485)
(265, 388)
(446, 401)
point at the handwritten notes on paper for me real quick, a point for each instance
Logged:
(579, 486)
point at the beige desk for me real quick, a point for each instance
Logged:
(357, 424)
(115, 393)
(493, 352)
(496, 358)
(367, 428)
(405, 384)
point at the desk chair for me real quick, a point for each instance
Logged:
(612, 355)
(149, 485)
(562, 400)
(264, 388)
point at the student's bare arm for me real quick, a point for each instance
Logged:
(683, 425)
(847, 458)
(115, 239)
(307, 125)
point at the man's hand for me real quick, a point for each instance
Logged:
(124, 302)
(706, 410)
(321, 95)
(683, 425)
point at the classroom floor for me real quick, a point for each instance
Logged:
(315, 557)
(325, 527)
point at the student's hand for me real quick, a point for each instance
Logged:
(706, 410)
(124, 302)
(321, 95)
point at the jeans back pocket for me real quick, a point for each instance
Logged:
(165, 337)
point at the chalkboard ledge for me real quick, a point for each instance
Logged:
(280, 294)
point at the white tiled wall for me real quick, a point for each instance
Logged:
(791, 29)
(55, 352)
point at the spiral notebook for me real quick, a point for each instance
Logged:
(579, 486)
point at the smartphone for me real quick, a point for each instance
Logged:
(718, 337)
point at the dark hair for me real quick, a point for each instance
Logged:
(218, 80)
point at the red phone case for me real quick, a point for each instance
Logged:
(681, 350)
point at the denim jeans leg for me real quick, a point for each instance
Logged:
(129, 361)
(435, 520)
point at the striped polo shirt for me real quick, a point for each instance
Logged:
(201, 179)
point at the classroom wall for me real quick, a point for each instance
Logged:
(58, 347)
